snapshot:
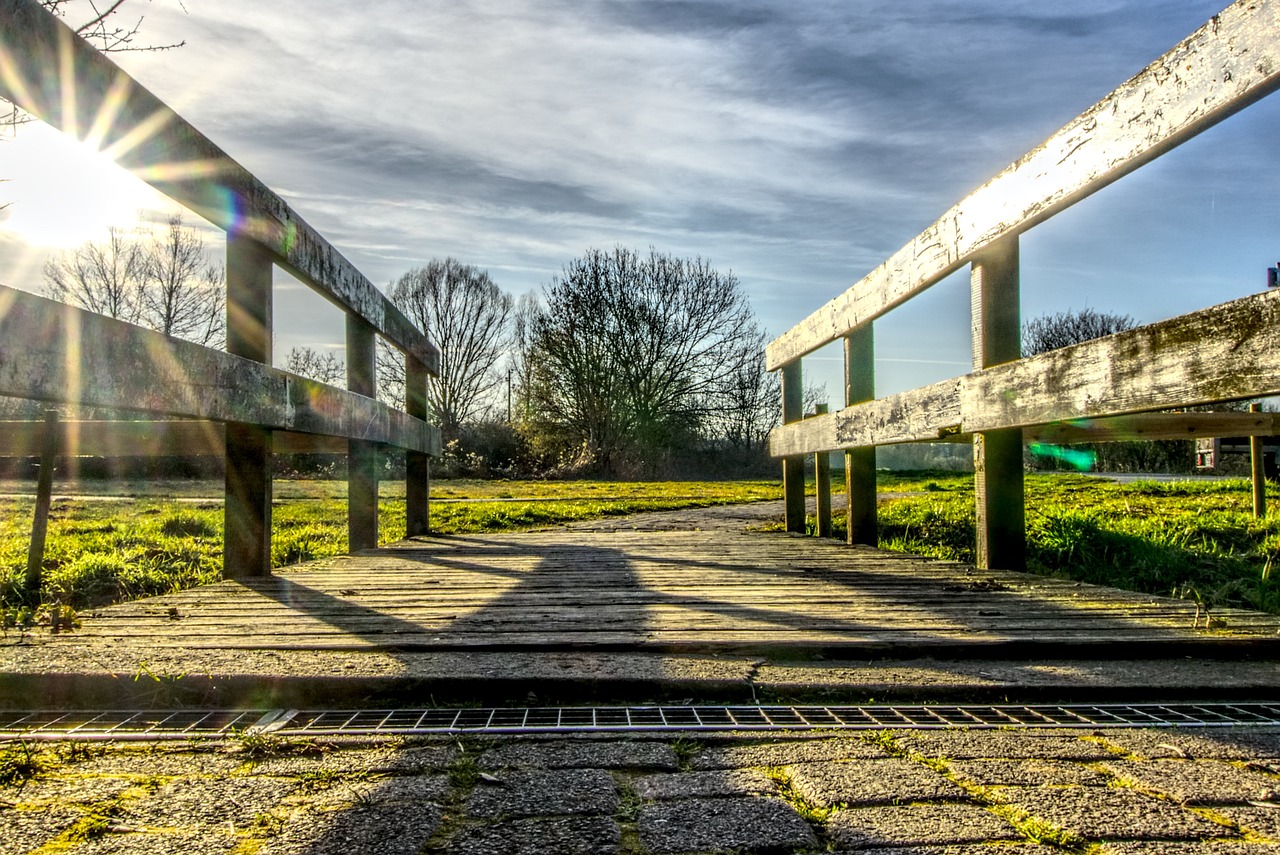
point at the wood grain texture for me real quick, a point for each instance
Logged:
(1224, 353)
(1221, 68)
(717, 589)
(53, 352)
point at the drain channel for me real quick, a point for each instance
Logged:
(183, 724)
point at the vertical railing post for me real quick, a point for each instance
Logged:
(417, 465)
(362, 455)
(1258, 472)
(793, 467)
(247, 513)
(49, 447)
(997, 454)
(822, 483)
(860, 463)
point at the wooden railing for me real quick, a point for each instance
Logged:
(1227, 352)
(56, 353)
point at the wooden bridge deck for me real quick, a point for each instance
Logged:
(701, 581)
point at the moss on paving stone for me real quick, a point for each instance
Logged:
(1228, 743)
(1257, 820)
(209, 802)
(69, 791)
(589, 835)
(917, 825)
(1097, 813)
(380, 759)
(134, 843)
(386, 829)
(1204, 782)
(723, 825)
(1164, 847)
(1026, 773)
(869, 782)
(784, 753)
(983, 744)
(26, 830)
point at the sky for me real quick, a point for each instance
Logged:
(795, 143)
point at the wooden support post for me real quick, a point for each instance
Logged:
(44, 496)
(860, 463)
(997, 454)
(362, 455)
(793, 467)
(417, 465)
(1258, 470)
(247, 514)
(822, 484)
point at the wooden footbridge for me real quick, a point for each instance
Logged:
(705, 598)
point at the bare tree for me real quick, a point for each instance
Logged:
(326, 366)
(100, 277)
(165, 281)
(630, 354)
(1061, 329)
(181, 292)
(466, 315)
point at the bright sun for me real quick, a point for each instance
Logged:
(62, 192)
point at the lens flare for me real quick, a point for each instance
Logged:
(1078, 459)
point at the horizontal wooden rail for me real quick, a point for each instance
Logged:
(53, 352)
(56, 76)
(1223, 353)
(1230, 62)
(103, 438)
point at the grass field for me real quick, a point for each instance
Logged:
(1193, 539)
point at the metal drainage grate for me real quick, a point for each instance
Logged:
(182, 724)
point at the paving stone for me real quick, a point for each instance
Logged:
(1207, 782)
(66, 790)
(785, 753)
(917, 825)
(387, 760)
(158, 762)
(1226, 743)
(1099, 813)
(587, 835)
(1259, 820)
(208, 802)
(972, 849)
(869, 782)
(545, 793)
(27, 830)
(1002, 744)
(386, 829)
(581, 755)
(207, 842)
(719, 782)
(719, 825)
(1216, 847)
(420, 789)
(1026, 773)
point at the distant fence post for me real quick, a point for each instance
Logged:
(793, 467)
(247, 513)
(44, 497)
(860, 463)
(417, 465)
(997, 454)
(362, 455)
(1258, 470)
(822, 483)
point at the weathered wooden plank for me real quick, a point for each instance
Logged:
(53, 352)
(1227, 352)
(1221, 68)
(1222, 353)
(148, 438)
(61, 79)
(1153, 426)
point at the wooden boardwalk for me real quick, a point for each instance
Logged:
(702, 581)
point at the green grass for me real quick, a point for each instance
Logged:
(1189, 538)
(100, 552)
(1195, 539)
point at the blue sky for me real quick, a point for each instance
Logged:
(795, 143)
